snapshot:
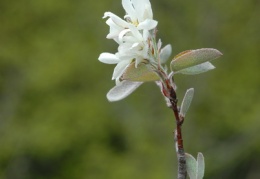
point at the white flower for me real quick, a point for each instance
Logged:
(134, 49)
(132, 35)
(135, 45)
(138, 13)
(110, 58)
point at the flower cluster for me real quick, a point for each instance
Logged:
(140, 57)
(134, 35)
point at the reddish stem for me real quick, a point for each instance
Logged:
(182, 171)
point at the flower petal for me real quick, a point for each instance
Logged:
(117, 20)
(128, 6)
(148, 13)
(120, 68)
(108, 58)
(142, 8)
(121, 35)
(114, 29)
(136, 32)
(146, 35)
(148, 24)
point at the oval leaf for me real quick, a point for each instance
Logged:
(201, 166)
(201, 68)
(186, 101)
(165, 53)
(191, 165)
(191, 58)
(123, 90)
(141, 73)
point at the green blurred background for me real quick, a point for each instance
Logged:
(55, 120)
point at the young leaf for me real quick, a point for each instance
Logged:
(141, 73)
(201, 166)
(191, 58)
(186, 101)
(191, 165)
(123, 90)
(194, 70)
(165, 53)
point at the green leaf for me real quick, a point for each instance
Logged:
(191, 165)
(186, 101)
(201, 166)
(141, 73)
(197, 69)
(122, 91)
(165, 53)
(191, 58)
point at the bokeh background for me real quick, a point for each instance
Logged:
(55, 120)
